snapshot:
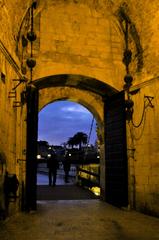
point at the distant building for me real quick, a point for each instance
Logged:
(43, 149)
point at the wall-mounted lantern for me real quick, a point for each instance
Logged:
(128, 79)
(31, 36)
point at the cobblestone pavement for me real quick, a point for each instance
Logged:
(79, 220)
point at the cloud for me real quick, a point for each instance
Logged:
(74, 109)
(69, 117)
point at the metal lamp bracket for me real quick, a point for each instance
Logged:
(12, 94)
(149, 99)
(17, 104)
(22, 80)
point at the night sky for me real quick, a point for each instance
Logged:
(60, 120)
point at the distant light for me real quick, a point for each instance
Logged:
(98, 156)
(49, 155)
(49, 147)
(38, 156)
(69, 154)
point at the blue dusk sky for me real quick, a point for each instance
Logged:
(60, 120)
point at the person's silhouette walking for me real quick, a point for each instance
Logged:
(66, 166)
(52, 164)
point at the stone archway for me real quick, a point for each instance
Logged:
(84, 90)
(91, 101)
(90, 93)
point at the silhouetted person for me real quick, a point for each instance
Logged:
(66, 166)
(52, 164)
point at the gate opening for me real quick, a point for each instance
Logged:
(70, 131)
(108, 108)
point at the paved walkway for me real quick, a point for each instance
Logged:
(79, 220)
(64, 192)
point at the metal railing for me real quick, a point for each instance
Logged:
(88, 175)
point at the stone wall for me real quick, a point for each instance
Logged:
(9, 129)
(144, 153)
(10, 116)
(78, 38)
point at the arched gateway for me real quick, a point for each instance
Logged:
(107, 106)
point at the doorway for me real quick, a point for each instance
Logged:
(59, 125)
(100, 99)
